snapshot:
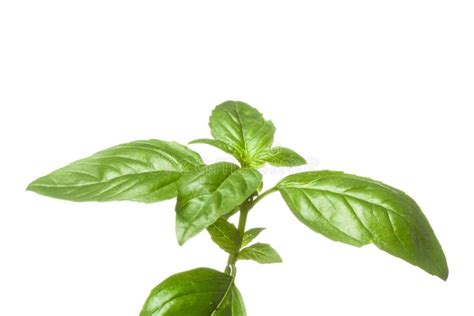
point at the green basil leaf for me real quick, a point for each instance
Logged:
(233, 304)
(198, 292)
(359, 211)
(210, 193)
(262, 253)
(282, 157)
(250, 235)
(243, 129)
(143, 171)
(225, 235)
(214, 142)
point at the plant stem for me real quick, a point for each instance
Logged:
(244, 210)
(261, 196)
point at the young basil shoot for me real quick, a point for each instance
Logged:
(343, 207)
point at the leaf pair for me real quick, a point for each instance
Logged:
(227, 237)
(151, 171)
(154, 170)
(240, 130)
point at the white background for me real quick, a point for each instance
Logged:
(378, 88)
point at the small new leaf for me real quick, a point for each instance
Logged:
(243, 130)
(225, 235)
(215, 143)
(250, 235)
(282, 157)
(261, 253)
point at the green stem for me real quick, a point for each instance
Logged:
(244, 211)
(261, 196)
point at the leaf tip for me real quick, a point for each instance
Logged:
(181, 239)
(443, 275)
(31, 186)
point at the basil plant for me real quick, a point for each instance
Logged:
(342, 207)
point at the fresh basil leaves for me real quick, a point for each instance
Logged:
(143, 171)
(340, 206)
(199, 292)
(358, 211)
(209, 193)
(240, 130)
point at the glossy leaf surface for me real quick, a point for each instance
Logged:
(233, 304)
(359, 211)
(261, 253)
(209, 193)
(143, 171)
(198, 292)
(243, 129)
